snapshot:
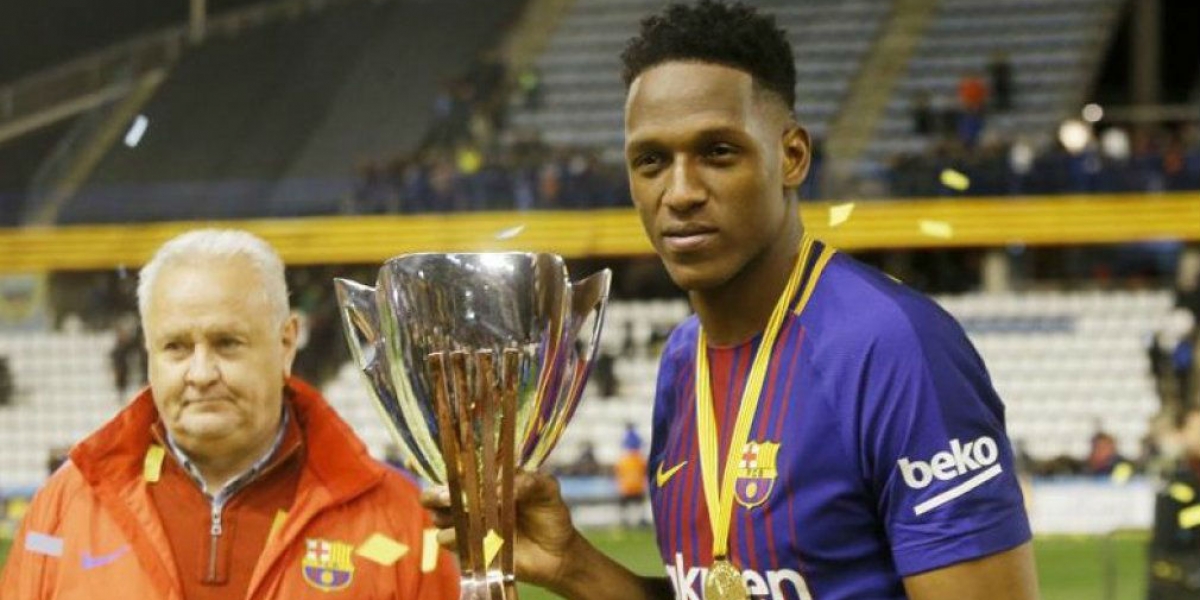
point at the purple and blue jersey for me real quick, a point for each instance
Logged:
(877, 452)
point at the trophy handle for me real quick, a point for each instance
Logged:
(360, 319)
(587, 295)
(363, 329)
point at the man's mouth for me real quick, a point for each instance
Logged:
(688, 238)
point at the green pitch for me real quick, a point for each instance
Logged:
(1069, 568)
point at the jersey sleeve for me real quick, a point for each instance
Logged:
(934, 445)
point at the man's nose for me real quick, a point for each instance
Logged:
(202, 368)
(684, 188)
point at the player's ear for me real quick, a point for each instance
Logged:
(797, 155)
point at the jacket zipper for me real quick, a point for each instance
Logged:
(215, 532)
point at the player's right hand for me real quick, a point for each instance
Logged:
(545, 535)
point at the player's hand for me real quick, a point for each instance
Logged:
(546, 538)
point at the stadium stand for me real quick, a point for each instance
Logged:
(1064, 362)
(62, 391)
(239, 118)
(583, 94)
(1054, 48)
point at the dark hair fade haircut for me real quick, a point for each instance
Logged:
(729, 34)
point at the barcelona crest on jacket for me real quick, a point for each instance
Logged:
(328, 565)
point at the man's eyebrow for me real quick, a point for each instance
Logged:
(654, 140)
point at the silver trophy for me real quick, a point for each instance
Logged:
(476, 363)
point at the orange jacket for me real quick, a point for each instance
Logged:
(93, 532)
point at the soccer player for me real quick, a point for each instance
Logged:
(820, 430)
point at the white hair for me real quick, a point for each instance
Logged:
(208, 244)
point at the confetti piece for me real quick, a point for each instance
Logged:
(840, 213)
(382, 549)
(429, 551)
(1181, 493)
(955, 180)
(491, 546)
(937, 229)
(511, 232)
(1122, 472)
(1189, 517)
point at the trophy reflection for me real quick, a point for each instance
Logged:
(476, 363)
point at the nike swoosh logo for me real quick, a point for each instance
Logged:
(662, 477)
(91, 562)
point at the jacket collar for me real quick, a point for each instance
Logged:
(113, 456)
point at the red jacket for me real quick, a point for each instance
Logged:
(93, 531)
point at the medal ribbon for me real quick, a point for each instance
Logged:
(720, 501)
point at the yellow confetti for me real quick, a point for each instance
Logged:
(152, 466)
(491, 545)
(1189, 517)
(382, 549)
(1181, 493)
(955, 180)
(840, 213)
(429, 551)
(1122, 472)
(937, 229)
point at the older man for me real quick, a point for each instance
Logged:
(227, 477)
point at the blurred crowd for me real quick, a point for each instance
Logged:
(473, 159)
(1147, 160)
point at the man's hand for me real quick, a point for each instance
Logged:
(545, 535)
(549, 551)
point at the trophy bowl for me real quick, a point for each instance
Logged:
(476, 363)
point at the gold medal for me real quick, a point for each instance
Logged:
(724, 582)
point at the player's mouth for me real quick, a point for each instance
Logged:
(688, 238)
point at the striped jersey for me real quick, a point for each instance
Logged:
(877, 451)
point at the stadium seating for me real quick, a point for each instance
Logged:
(64, 390)
(1064, 362)
(1054, 47)
(272, 121)
(584, 97)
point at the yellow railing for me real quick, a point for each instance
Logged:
(617, 232)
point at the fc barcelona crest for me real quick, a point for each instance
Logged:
(756, 473)
(328, 565)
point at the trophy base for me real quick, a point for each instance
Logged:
(495, 586)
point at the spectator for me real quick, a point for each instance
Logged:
(972, 97)
(632, 439)
(128, 353)
(922, 114)
(1001, 77)
(606, 376)
(630, 474)
(529, 87)
(585, 464)
(6, 382)
(1103, 456)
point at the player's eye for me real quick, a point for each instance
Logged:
(720, 151)
(648, 161)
